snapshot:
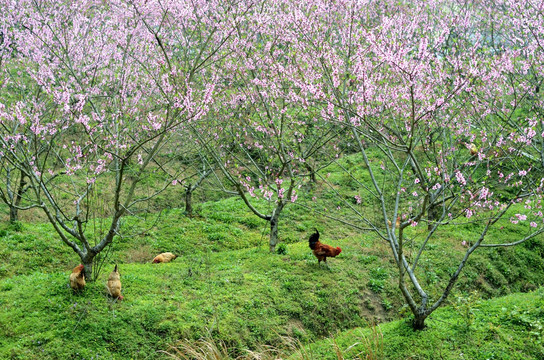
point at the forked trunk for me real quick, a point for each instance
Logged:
(88, 261)
(311, 172)
(88, 268)
(419, 321)
(432, 216)
(13, 214)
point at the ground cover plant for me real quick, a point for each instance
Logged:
(230, 291)
(409, 134)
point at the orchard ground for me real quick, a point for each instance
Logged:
(225, 285)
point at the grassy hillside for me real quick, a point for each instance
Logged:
(510, 327)
(225, 283)
(244, 297)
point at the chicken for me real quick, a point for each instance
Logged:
(114, 284)
(322, 251)
(77, 278)
(164, 258)
(397, 223)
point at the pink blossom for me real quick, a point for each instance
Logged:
(521, 217)
(460, 178)
(268, 194)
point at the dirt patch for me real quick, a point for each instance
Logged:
(372, 309)
(140, 254)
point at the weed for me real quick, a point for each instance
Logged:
(379, 273)
(372, 344)
(282, 249)
(387, 305)
(376, 285)
(16, 226)
(367, 259)
(203, 349)
(467, 306)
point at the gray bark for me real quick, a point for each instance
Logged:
(274, 220)
(189, 201)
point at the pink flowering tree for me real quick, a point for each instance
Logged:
(271, 139)
(195, 169)
(92, 95)
(13, 190)
(426, 90)
(521, 37)
(13, 186)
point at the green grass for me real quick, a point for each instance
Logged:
(243, 297)
(510, 327)
(234, 290)
(226, 285)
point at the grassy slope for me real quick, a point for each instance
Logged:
(226, 282)
(510, 327)
(243, 296)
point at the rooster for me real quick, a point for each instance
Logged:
(114, 284)
(77, 278)
(164, 258)
(322, 251)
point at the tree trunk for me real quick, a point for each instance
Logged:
(87, 259)
(13, 214)
(311, 173)
(87, 262)
(189, 201)
(13, 210)
(273, 234)
(313, 179)
(433, 215)
(419, 321)
(274, 220)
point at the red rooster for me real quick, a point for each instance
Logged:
(322, 251)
